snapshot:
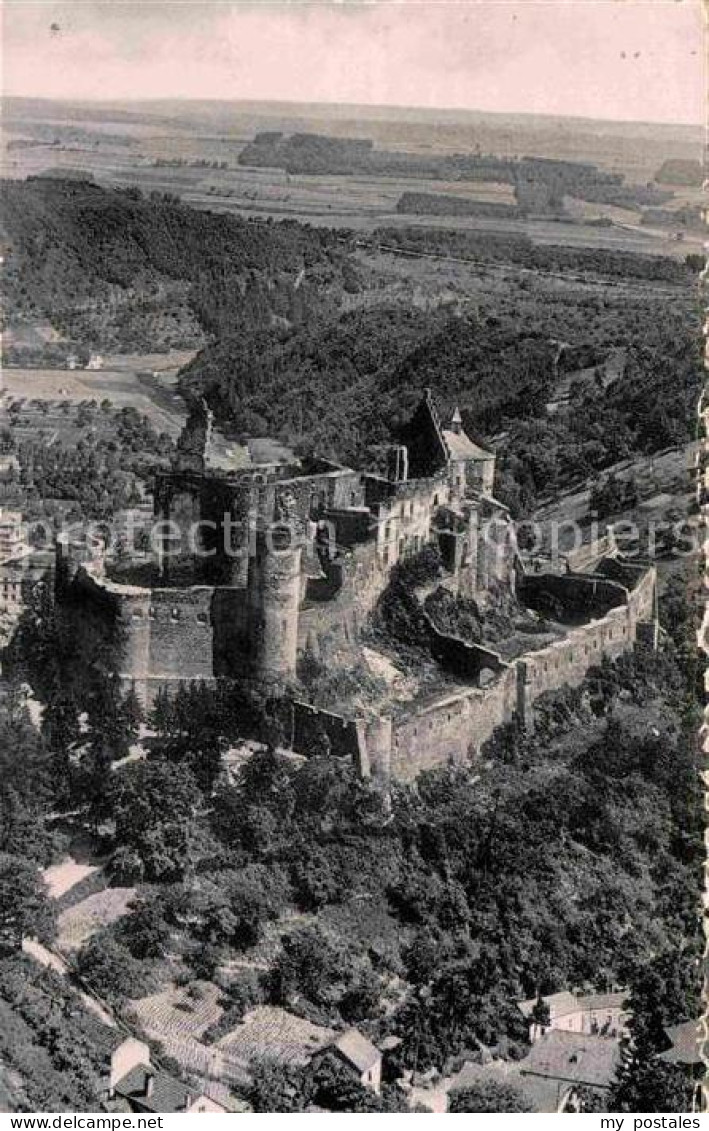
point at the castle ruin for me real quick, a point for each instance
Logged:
(255, 566)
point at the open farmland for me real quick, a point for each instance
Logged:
(146, 383)
(193, 150)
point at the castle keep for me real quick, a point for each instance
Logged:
(256, 566)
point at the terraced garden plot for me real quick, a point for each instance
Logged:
(180, 1012)
(78, 923)
(275, 1034)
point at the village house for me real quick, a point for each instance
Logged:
(359, 1055)
(136, 1085)
(601, 1015)
(562, 1065)
(292, 1041)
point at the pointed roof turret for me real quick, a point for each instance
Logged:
(456, 421)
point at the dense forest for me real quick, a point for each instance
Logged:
(92, 260)
(307, 342)
(345, 384)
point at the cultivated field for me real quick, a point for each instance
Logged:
(144, 382)
(181, 1012)
(78, 923)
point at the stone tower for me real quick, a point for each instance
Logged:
(274, 597)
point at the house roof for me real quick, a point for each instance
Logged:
(574, 1057)
(357, 1049)
(168, 1094)
(542, 1093)
(687, 1040)
(461, 446)
(565, 1002)
(603, 1001)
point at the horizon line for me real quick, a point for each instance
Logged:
(157, 100)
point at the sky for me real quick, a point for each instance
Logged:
(639, 60)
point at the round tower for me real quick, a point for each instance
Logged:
(274, 599)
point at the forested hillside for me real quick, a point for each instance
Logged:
(568, 858)
(342, 384)
(307, 338)
(80, 255)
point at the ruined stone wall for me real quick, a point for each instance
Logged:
(569, 596)
(566, 661)
(181, 636)
(306, 725)
(152, 638)
(305, 498)
(329, 625)
(451, 729)
(461, 657)
(403, 519)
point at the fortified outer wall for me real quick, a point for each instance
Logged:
(158, 637)
(566, 661)
(451, 729)
(459, 657)
(572, 595)
(456, 727)
(306, 725)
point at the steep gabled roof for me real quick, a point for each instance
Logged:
(460, 446)
(563, 1002)
(168, 1094)
(357, 1049)
(423, 436)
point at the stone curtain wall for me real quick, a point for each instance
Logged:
(455, 727)
(569, 596)
(566, 661)
(451, 729)
(157, 637)
(306, 727)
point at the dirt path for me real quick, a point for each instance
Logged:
(52, 961)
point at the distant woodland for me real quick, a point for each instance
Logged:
(540, 183)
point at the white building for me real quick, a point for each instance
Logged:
(601, 1015)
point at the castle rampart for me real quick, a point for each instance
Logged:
(454, 726)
